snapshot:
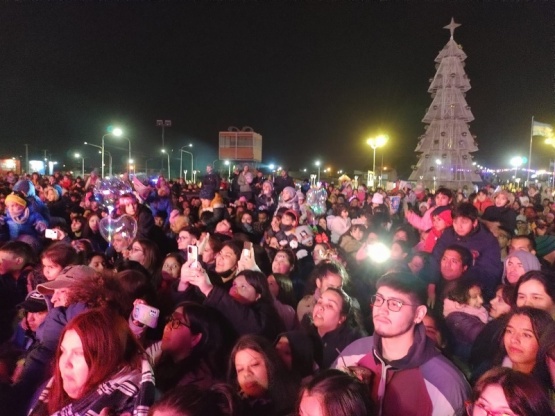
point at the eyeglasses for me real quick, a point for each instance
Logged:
(176, 323)
(394, 305)
(479, 409)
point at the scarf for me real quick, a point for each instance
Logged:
(128, 391)
(450, 306)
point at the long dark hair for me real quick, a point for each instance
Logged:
(541, 322)
(286, 295)
(260, 284)
(192, 400)
(212, 351)
(524, 394)
(351, 314)
(546, 279)
(339, 393)
(282, 388)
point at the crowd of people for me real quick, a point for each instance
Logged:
(250, 296)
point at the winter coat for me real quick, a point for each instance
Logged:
(423, 383)
(259, 318)
(506, 216)
(484, 247)
(463, 327)
(337, 226)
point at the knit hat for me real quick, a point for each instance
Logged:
(521, 218)
(34, 302)
(17, 198)
(444, 213)
(377, 198)
(66, 277)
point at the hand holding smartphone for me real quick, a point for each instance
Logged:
(51, 234)
(192, 254)
(146, 315)
(247, 246)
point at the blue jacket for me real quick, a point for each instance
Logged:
(484, 247)
(38, 362)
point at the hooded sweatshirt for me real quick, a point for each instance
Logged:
(528, 260)
(422, 383)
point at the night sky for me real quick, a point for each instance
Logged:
(314, 78)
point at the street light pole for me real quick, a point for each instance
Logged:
(374, 143)
(163, 124)
(77, 155)
(181, 151)
(169, 166)
(117, 132)
(102, 149)
(516, 162)
(317, 163)
(228, 169)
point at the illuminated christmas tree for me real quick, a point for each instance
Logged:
(446, 145)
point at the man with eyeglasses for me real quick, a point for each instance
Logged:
(410, 377)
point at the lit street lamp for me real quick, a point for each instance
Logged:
(117, 132)
(228, 169)
(78, 156)
(317, 163)
(181, 151)
(169, 166)
(516, 162)
(374, 143)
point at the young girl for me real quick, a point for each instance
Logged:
(465, 316)
(57, 256)
(441, 220)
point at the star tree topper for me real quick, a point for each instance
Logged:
(452, 26)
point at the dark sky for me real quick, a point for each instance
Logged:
(314, 78)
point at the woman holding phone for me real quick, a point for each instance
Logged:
(248, 304)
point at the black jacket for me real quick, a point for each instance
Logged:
(260, 318)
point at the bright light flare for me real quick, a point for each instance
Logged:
(378, 252)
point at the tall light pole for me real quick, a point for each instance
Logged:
(78, 156)
(228, 169)
(374, 143)
(181, 151)
(317, 163)
(116, 132)
(119, 133)
(169, 166)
